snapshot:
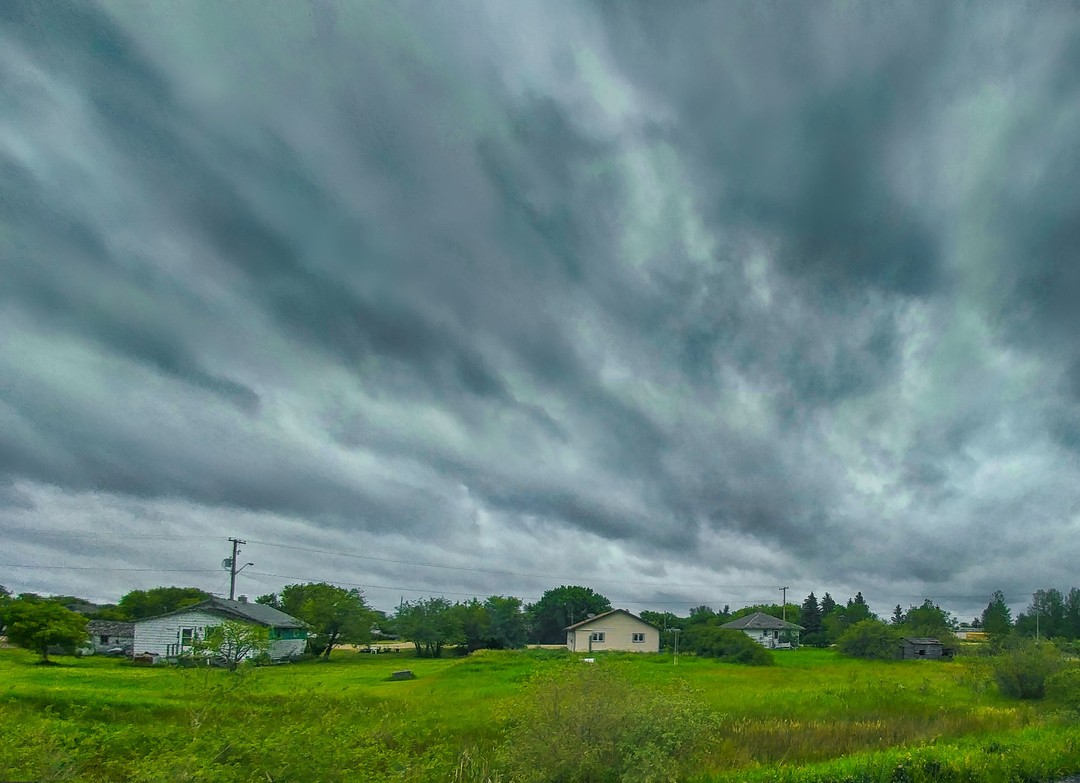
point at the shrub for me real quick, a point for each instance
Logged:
(869, 639)
(1064, 687)
(581, 723)
(1022, 669)
(727, 645)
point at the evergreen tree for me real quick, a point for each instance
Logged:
(810, 620)
(996, 617)
(1072, 614)
(898, 616)
(827, 604)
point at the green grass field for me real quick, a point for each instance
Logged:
(813, 717)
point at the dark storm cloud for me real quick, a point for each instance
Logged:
(725, 287)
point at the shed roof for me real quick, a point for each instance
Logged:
(256, 613)
(607, 614)
(110, 628)
(921, 640)
(761, 621)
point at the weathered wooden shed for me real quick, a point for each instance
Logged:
(918, 648)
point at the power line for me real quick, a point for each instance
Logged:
(107, 568)
(497, 571)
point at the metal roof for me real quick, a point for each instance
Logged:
(921, 640)
(761, 621)
(257, 613)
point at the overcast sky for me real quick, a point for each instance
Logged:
(684, 302)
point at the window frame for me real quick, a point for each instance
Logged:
(638, 637)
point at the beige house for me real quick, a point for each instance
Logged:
(614, 630)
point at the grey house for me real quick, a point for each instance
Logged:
(920, 648)
(768, 631)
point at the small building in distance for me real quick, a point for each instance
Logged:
(106, 635)
(921, 648)
(768, 631)
(614, 630)
(174, 634)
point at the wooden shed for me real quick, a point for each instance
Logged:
(919, 648)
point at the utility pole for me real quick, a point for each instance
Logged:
(676, 632)
(783, 610)
(233, 570)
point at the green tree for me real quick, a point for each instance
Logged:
(794, 613)
(827, 604)
(810, 619)
(36, 624)
(931, 620)
(898, 616)
(1072, 614)
(158, 600)
(665, 622)
(430, 624)
(269, 599)
(335, 615)
(997, 618)
(5, 600)
(561, 607)
(869, 639)
(233, 641)
(1044, 616)
(475, 624)
(506, 623)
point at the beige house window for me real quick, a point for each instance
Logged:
(596, 636)
(639, 638)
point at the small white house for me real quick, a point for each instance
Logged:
(176, 632)
(768, 631)
(614, 630)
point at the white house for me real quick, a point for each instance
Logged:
(175, 633)
(614, 630)
(768, 631)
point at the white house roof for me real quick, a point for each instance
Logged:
(257, 613)
(585, 622)
(761, 621)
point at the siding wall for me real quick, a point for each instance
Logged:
(98, 646)
(619, 630)
(773, 639)
(162, 635)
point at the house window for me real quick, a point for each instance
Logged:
(639, 638)
(596, 636)
(187, 636)
(103, 639)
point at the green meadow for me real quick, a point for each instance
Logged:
(531, 715)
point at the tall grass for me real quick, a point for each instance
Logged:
(813, 714)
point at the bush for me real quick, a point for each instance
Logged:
(1064, 687)
(727, 645)
(1022, 669)
(581, 723)
(869, 639)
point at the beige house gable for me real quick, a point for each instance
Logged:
(614, 630)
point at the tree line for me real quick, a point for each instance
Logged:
(336, 615)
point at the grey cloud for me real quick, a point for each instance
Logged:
(689, 275)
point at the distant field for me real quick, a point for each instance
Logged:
(815, 716)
